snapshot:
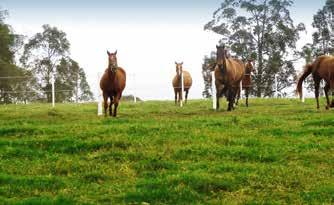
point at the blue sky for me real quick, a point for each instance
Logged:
(167, 30)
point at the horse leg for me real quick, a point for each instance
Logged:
(326, 89)
(229, 99)
(219, 91)
(186, 97)
(246, 93)
(175, 93)
(116, 101)
(316, 91)
(110, 105)
(238, 96)
(105, 102)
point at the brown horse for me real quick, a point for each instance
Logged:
(321, 68)
(246, 80)
(228, 73)
(187, 82)
(112, 84)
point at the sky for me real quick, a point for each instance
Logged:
(149, 35)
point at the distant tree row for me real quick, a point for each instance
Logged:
(264, 31)
(29, 79)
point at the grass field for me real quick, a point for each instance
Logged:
(277, 151)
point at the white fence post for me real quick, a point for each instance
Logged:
(213, 91)
(99, 96)
(182, 89)
(53, 88)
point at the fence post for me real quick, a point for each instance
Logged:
(213, 91)
(99, 96)
(182, 89)
(53, 88)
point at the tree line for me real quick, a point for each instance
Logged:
(27, 67)
(263, 30)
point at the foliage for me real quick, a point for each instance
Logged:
(46, 54)
(10, 43)
(42, 54)
(261, 30)
(206, 73)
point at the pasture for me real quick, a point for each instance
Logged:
(276, 151)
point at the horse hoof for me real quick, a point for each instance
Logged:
(327, 107)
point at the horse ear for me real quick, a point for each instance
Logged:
(181, 63)
(217, 46)
(175, 63)
(115, 52)
(108, 53)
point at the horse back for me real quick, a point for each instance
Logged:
(235, 69)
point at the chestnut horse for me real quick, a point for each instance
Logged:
(187, 82)
(112, 84)
(246, 80)
(228, 73)
(321, 68)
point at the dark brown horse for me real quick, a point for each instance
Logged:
(112, 84)
(228, 73)
(246, 80)
(321, 68)
(187, 82)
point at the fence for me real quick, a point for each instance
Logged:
(214, 94)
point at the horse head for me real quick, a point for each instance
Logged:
(179, 68)
(221, 57)
(112, 61)
(249, 66)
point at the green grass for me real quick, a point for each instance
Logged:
(277, 151)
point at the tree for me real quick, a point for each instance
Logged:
(265, 32)
(42, 54)
(323, 22)
(71, 80)
(12, 77)
(206, 73)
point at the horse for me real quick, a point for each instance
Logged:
(187, 82)
(228, 74)
(321, 68)
(112, 84)
(246, 80)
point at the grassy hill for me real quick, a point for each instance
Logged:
(277, 151)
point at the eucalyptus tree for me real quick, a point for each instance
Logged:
(264, 31)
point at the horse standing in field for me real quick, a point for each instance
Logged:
(228, 74)
(112, 84)
(321, 68)
(246, 80)
(187, 82)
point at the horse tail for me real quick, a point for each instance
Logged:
(307, 71)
